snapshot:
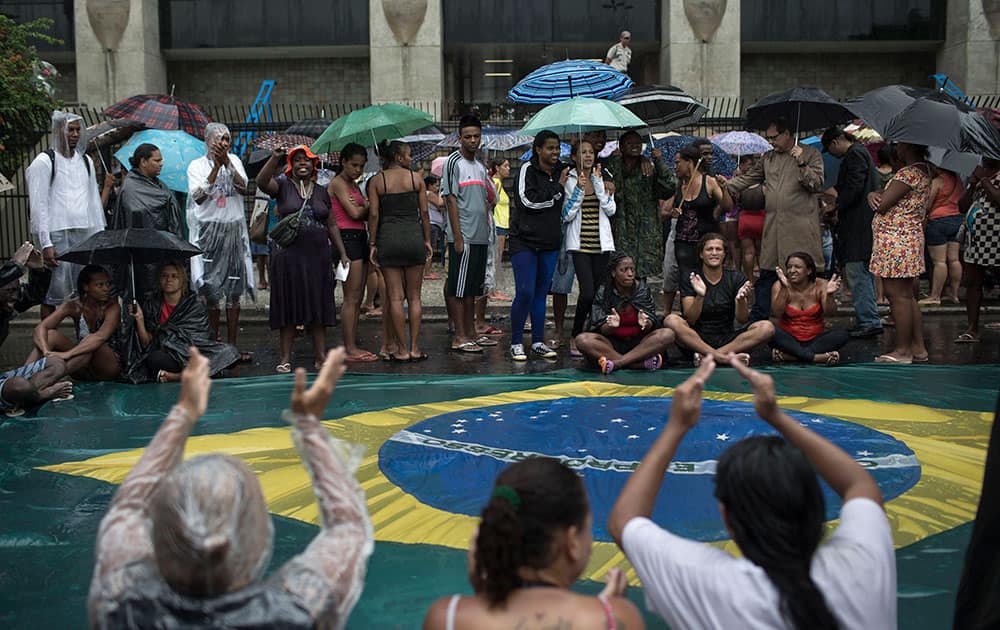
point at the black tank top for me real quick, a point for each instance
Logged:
(697, 215)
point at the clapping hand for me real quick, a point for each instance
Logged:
(613, 320)
(744, 293)
(833, 284)
(313, 401)
(698, 284)
(615, 584)
(782, 278)
(685, 405)
(644, 320)
(195, 385)
(764, 399)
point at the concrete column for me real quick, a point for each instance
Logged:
(408, 72)
(703, 69)
(138, 65)
(970, 55)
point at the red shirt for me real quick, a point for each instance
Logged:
(165, 311)
(628, 324)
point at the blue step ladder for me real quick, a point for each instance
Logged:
(261, 108)
(946, 85)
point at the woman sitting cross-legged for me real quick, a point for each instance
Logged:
(177, 321)
(801, 301)
(623, 330)
(533, 542)
(712, 298)
(97, 316)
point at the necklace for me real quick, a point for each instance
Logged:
(305, 190)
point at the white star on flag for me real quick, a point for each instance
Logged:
(633, 437)
(602, 430)
(864, 453)
(459, 431)
(617, 420)
(722, 437)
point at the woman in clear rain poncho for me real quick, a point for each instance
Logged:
(217, 223)
(184, 544)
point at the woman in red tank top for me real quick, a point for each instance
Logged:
(801, 302)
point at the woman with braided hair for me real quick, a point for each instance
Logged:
(624, 329)
(532, 544)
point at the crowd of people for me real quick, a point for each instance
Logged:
(749, 255)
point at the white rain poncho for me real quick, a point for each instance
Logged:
(217, 224)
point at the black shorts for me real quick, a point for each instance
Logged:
(355, 244)
(466, 271)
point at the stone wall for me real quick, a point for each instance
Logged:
(227, 82)
(840, 74)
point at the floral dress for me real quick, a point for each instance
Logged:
(898, 235)
(982, 230)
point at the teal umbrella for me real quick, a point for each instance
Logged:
(371, 125)
(582, 114)
(178, 149)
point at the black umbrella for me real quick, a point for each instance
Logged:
(130, 246)
(804, 107)
(903, 114)
(313, 127)
(663, 106)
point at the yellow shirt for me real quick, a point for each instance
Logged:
(501, 211)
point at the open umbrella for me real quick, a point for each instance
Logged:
(130, 246)
(805, 108)
(663, 106)
(493, 139)
(903, 114)
(722, 162)
(581, 114)
(272, 141)
(178, 149)
(564, 150)
(311, 127)
(161, 111)
(110, 132)
(567, 79)
(741, 143)
(371, 125)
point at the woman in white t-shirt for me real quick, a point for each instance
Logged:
(772, 506)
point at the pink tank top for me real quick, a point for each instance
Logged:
(344, 220)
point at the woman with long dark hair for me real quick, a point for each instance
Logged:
(533, 542)
(801, 301)
(771, 504)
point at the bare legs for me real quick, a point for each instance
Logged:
(353, 289)
(749, 249)
(757, 333)
(947, 273)
(404, 283)
(99, 365)
(909, 340)
(559, 304)
(595, 346)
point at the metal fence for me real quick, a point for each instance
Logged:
(725, 114)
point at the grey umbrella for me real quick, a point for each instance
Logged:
(804, 107)
(902, 114)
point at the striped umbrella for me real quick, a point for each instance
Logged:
(566, 79)
(663, 106)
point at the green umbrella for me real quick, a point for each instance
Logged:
(371, 125)
(581, 114)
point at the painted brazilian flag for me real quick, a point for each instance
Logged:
(435, 443)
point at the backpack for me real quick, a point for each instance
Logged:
(52, 158)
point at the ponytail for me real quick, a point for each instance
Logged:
(775, 510)
(497, 559)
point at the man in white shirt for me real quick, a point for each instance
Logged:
(217, 223)
(620, 55)
(65, 204)
(771, 504)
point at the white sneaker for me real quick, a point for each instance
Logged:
(541, 350)
(517, 352)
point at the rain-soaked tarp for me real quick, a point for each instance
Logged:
(434, 443)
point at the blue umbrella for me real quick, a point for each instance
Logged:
(565, 79)
(564, 151)
(722, 162)
(493, 139)
(831, 163)
(178, 149)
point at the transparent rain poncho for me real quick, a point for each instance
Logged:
(217, 223)
(60, 138)
(185, 544)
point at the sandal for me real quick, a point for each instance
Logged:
(653, 363)
(967, 338)
(607, 365)
(419, 357)
(283, 368)
(364, 357)
(833, 358)
(161, 376)
(924, 359)
(470, 347)
(888, 358)
(486, 341)
(777, 356)
(492, 330)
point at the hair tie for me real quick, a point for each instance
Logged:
(509, 495)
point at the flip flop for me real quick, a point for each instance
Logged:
(394, 359)
(966, 338)
(483, 340)
(653, 363)
(14, 413)
(63, 398)
(924, 359)
(364, 357)
(833, 359)
(492, 330)
(283, 368)
(992, 326)
(420, 357)
(607, 365)
(777, 356)
(888, 358)
(468, 347)
(576, 354)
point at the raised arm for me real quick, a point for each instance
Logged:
(740, 183)
(838, 469)
(338, 555)
(124, 533)
(265, 178)
(639, 494)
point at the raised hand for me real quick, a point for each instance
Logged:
(685, 405)
(782, 278)
(313, 401)
(564, 176)
(613, 320)
(764, 400)
(615, 583)
(698, 284)
(195, 385)
(23, 252)
(744, 293)
(278, 154)
(644, 320)
(833, 284)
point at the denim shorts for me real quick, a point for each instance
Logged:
(944, 230)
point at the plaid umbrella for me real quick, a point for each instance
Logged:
(663, 106)
(161, 111)
(566, 79)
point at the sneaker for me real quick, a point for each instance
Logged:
(517, 352)
(542, 351)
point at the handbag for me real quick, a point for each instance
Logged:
(258, 222)
(287, 230)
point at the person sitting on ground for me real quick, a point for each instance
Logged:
(33, 385)
(96, 315)
(533, 542)
(801, 301)
(177, 321)
(185, 544)
(711, 299)
(16, 297)
(623, 329)
(771, 504)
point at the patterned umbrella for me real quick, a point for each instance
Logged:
(178, 149)
(161, 111)
(110, 132)
(310, 127)
(663, 106)
(722, 162)
(741, 143)
(281, 141)
(494, 139)
(566, 79)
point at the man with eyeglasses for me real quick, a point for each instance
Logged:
(620, 55)
(792, 178)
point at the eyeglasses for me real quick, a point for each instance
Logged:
(771, 138)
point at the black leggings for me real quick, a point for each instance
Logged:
(687, 259)
(806, 351)
(158, 360)
(590, 272)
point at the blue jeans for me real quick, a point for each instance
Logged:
(761, 310)
(862, 285)
(532, 277)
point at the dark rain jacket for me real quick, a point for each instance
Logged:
(606, 299)
(29, 294)
(857, 177)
